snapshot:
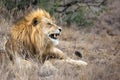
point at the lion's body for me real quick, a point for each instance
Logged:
(35, 34)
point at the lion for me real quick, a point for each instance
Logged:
(37, 34)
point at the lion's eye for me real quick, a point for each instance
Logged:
(49, 23)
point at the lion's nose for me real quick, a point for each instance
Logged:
(60, 29)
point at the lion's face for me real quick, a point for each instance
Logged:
(50, 29)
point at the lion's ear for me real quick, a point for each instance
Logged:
(35, 22)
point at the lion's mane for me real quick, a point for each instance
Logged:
(24, 33)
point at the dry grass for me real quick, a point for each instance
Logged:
(100, 47)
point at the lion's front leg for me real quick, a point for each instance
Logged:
(76, 62)
(64, 58)
(57, 53)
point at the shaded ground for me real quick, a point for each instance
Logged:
(99, 45)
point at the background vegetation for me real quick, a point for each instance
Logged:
(89, 26)
(77, 11)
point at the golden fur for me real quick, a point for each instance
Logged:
(36, 35)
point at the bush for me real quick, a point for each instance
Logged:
(75, 16)
(78, 18)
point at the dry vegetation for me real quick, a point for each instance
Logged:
(99, 45)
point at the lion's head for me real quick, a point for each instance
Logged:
(44, 24)
(37, 29)
(51, 30)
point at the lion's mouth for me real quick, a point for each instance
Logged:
(54, 35)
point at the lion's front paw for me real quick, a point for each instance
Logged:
(77, 62)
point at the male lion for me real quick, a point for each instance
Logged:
(36, 34)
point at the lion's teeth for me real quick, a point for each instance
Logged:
(54, 36)
(57, 34)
